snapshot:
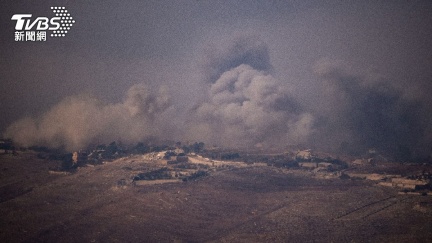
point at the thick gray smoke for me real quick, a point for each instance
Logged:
(244, 50)
(78, 121)
(247, 107)
(360, 112)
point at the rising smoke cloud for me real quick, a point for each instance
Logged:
(79, 121)
(247, 106)
(249, 50)
(361, 111)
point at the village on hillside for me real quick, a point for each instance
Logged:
(177, 163)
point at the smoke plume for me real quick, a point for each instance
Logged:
(78, 121)
(243, 50)
(360, 112)
(247, 107)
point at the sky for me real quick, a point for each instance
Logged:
(334, 75)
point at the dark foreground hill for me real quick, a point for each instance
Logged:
(235, 204)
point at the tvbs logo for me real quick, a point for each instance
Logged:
(42, 22)
(30, 29)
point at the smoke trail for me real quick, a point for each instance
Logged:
(81, 120)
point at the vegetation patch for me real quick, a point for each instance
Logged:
(196, 175)
(159, 174)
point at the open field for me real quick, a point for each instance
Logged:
(243, 203)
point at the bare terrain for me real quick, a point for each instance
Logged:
(234, 202)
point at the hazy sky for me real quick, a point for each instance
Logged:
(327, 58)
